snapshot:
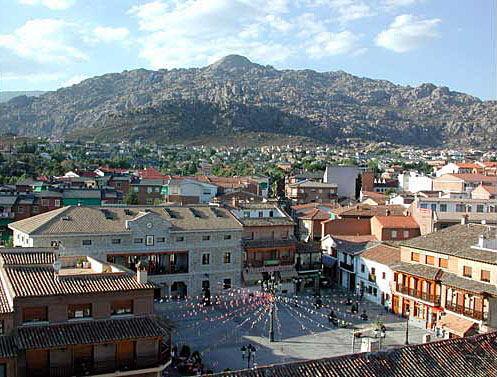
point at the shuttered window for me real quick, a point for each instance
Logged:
(485, 275)
(467, 271)
(415, 257)
(430, 260)
(443, 263)
(37, 314)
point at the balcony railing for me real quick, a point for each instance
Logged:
(346, 266)
(467, 312)
(100, 367)
(425, 296)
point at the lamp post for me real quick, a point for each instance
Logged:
(248, 352)
(271, 286)
(406, 342)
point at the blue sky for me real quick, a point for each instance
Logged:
(47, 44)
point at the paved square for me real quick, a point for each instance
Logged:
(301, 330)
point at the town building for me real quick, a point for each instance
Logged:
(269, 244)
(462, 182)
(374, 274)
(311, 192)
(186, 248)
(345, 177)
(447, 280)
(188, 191)
(77, 316)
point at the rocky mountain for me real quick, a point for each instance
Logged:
(236, 97)
(8, 95)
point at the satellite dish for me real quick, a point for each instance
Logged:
(57, 266)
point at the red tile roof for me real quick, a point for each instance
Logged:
(461, 357)
(383, 254)
(405, 222)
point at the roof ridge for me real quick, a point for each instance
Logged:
(50, 214)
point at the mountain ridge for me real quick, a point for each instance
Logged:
(236, 95)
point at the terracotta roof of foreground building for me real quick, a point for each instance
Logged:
(89, 332)
(474, 356)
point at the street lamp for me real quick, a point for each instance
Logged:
(406, 342)
(271, 286)
(248, 351)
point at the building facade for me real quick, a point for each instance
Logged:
(186, 248)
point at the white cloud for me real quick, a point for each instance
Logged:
(344, 11)
(331, 44)
(400, 3)
(74, 80)
(45, 41)
(110, 34)
(407, 33)
(51, 4)
(195, 32)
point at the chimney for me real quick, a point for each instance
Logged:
(141, 272)
(481, 241)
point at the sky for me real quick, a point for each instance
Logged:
(48, 44)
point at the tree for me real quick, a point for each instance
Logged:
(131, 198)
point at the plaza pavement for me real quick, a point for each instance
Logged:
(301, 331)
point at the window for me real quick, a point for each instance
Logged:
(150, 201)
(3, 370)
(415, 257)
(443, 207)
(35, 209)
(467, 271)
(149, 241)
(443, 263)
(116, 241)
(226, 257)
(373, 271)
(394, 234)
(383, 275)
(138, 240)
(2, 330)
(20, 209)
(485, 275)
(375, 292)
(157, 189)
(205, 284)
(227, 284)
(207, 192)
(206, 238)
(434, 207)
(261, 214)
(79, 311)
(149, 190)
(479, 208)
(119, 185)
(136, 189)
(206, 259)
(121, 307)
(246, 214)
(180, 239)
(57, 202)
(430, 260)
(161, 239)
(406, 234)
(271, 213)
(460, 208)
(37, 314)
(424, 205)
(227, 237)
(363, 268)
(44, 202)
(86, 242)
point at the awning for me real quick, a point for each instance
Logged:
(288, 275)
(455, 325)
(251, 277)
(329, 261)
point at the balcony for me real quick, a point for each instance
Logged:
(372, 278)
(6, 215)
(425, 296)
(346, 266)
(467, 312)
(100, 367)
(269, 265)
